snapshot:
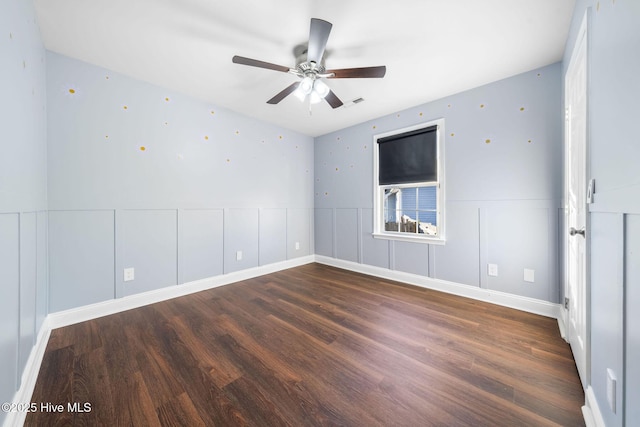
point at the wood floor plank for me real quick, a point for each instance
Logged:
(133, 407)
(213, 406)
(54, 386)
(90, 378)
(313, 346)
(180, 412)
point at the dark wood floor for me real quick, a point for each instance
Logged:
(312, 345)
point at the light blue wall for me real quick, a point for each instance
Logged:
(614, 149)
(143, 177)
(503, 148)
(23, 162)
(9, 304)
(632, 317)
(201, 233)
(85, 258)
(23, 190)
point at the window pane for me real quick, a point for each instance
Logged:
(408, 222)
(427, 224)
(427, 203)
(411, 210)
(390, 204)
(428, 217)
(409, 199)
(427, 197)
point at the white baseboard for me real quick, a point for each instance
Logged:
(29, 376)
(562, 323)
(530, 305)
(105, 308)
(591, 410)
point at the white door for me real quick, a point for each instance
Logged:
(576, 203)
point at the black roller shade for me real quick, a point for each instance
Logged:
(408, 157)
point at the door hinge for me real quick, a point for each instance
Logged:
(566, 303)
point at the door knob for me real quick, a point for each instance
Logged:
(573, 231)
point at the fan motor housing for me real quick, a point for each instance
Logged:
(304, 66)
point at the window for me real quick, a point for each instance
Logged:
(408, 183)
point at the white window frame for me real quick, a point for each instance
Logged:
(378, 190)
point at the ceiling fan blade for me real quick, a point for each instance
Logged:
(333, 100)
(260, 64)
(318, 36)
(284, 93)
(358, 73)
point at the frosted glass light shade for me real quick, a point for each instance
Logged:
(320, 88)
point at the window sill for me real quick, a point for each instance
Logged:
(410, 238)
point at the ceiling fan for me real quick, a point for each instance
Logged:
(311, 69)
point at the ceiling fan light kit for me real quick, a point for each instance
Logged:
(312, 87)
(312, 70)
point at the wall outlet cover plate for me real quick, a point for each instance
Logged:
(529, 275)
(492, 270)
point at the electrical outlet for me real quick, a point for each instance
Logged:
(529, 275)
(492, 269)
(297, 246)
(238, 255)
(129, 274)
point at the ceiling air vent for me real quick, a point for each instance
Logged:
(353, 102)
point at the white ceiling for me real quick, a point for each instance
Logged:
(432, 48)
